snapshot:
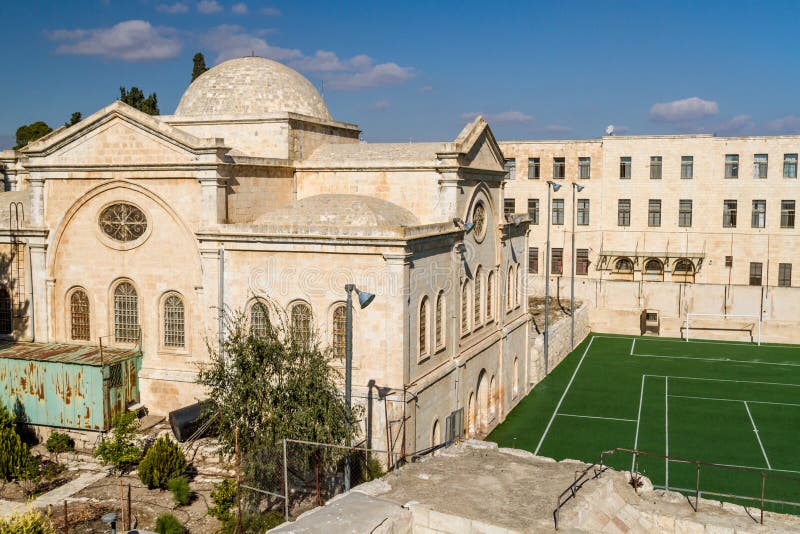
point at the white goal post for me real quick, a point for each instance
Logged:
(723, 316)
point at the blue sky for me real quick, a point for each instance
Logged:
(420, 70)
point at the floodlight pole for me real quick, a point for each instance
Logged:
(578, 188)
(555, 187)
(348, 372)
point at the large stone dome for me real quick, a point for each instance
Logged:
(251, 86)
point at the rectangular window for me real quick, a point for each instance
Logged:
(583, 212)
(584, 168)
(685, 213)
(510, 168)
(760, 166)
(728, 261)
(559, 168)
(755, 273)
(787, 213)
(729, 214)
(533, 210)
(790, 166)
(557, 261)
(582, 261)
(624, 212)
(687, 167)
(558, 211)
(785, 274)
(625, 167)
(533, 260)
(654, 213)
(509, 206)
(534, 171)
(655, 167)
(731, 165)
(759, 214)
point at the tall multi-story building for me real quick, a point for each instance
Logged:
(692, 223)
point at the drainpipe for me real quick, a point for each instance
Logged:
(221, 302)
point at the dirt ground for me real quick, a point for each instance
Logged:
(557, 310)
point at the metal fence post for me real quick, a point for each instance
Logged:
(285, 483)
(697, 488)
(763, 481)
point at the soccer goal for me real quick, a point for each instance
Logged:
(748, 326)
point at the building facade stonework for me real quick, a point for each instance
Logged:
(137, 230)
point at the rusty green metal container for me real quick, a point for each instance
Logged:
(69, 386)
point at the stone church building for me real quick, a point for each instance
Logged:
(129, 231)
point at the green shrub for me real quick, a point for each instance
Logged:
(163, 461)
(7, 419)
(179, 487)
(58, 443)
(16, 460)
(120, 451)
(169, 524)
(30, 522)
(259, 523)
(224, 497)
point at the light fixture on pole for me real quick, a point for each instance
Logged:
(555, 187)
(578, 188)
(364, 300)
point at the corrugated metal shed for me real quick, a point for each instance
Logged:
(71, 386)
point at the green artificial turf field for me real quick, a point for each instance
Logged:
(736, 404)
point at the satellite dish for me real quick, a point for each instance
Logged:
(610, 129)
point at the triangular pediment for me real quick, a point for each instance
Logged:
(478, 148)
(118, 135)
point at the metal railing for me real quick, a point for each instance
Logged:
(595, 470)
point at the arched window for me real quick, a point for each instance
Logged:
(440, 319)
(518, 284)
(79, 315)
(465, 308)
(436, 434)
(476, 298)
(515, 383)
(174, 322)
(423, 326)
(653, 270)
(301, 322)
(490, 296)
(6, 315)
(259, 319)
(510, 288)
(683, 271)
(126, 313)
(339, 341)
(623, 265)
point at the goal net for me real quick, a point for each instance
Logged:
(723, 326)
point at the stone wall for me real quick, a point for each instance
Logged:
(559, 344)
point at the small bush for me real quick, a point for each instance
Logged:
(30, 522)
(224, 497)
(7, 419)
(169, 524)
(181, 493)
(58, 443)
(16, 460)
(120, 451)
(163, 461)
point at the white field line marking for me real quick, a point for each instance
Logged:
(728, 360)
(707, 342)
(666, 430)
(728, 380)
(638, 418)
(734, 400)
(596, 417)
(566, 389)
(633, 346)
(755, 429)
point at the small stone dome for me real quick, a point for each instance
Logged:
(341, 211)
(251, 86)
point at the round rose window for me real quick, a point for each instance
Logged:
(479, 220)
(123, 222)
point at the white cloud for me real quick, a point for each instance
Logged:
(239, 8)
(790, 124)
(683, 110)
(271, 11)
(738, 125)
(131, 40)
(380, 105)
(231, 41)
(373, 76)
(173, 9)
(208, 7)
(502, 117)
